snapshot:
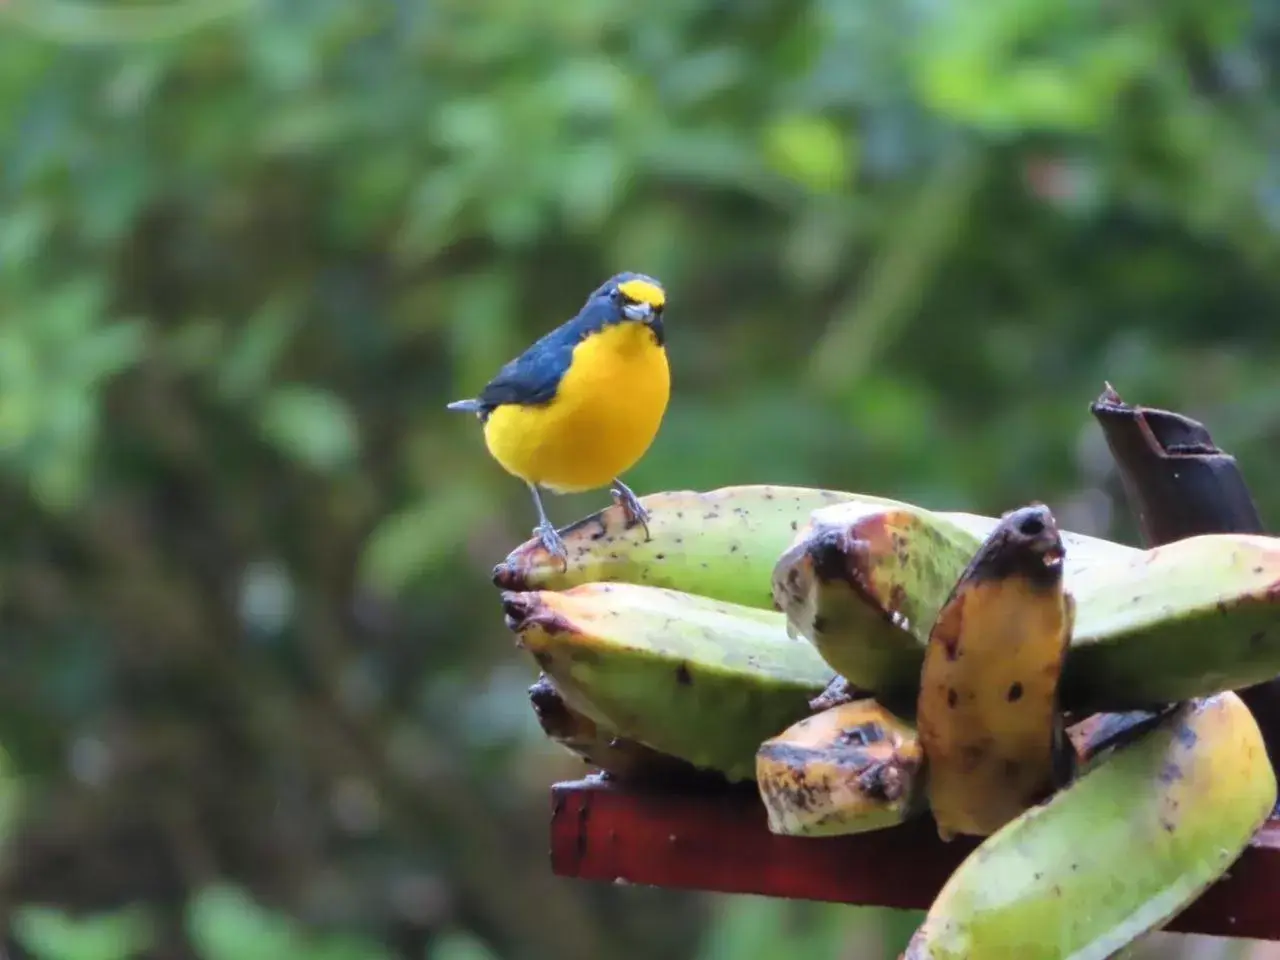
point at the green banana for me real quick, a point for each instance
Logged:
(616, 757)
(849, 769)
(1116, 854)
(691, 677)
(1190, 618)
(720, 543)
(876, 573)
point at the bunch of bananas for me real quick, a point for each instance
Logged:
(864, 661)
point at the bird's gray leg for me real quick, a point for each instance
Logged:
(545, 531)
(630, 504)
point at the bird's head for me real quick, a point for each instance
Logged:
(638, 298)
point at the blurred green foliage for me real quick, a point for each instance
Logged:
(255, 684)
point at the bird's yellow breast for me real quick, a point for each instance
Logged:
(605, 414)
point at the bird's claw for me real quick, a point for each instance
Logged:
(631, 506)
(553, 543)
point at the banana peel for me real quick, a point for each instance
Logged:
(849, 769)
(614, 756)
(878, 574)
(691, 677)
(1191, 618)
(988, 713)
(1116, 854)
(721, 543)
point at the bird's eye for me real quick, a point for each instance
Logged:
(644, 293)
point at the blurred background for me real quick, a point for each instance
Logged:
(256, 698)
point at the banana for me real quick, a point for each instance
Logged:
(691, 677)
(1118, 853)
(1191, 618)
(615, 757)
(877, 574)
(988, 714)
(846, 770)
(719, 543)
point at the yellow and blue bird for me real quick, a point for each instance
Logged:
(583, 404)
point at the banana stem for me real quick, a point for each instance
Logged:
(1177, 480)
(1181, 484)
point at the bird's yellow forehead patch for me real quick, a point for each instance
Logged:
(644, 291)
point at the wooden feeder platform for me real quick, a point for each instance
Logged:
(719, 841)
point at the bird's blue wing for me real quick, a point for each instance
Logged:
(532, 377)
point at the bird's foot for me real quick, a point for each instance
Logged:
(631, 507)
(838, 692)
(553, 543)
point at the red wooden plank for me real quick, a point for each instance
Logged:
(721, 842)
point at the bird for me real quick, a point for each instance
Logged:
(584, 403)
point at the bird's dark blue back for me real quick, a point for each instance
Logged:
(532, 377)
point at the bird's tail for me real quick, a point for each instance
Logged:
(464, 406)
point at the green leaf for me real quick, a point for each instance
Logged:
(225, 924)
(313, 426)
(51, 934)
(410, 541)
(246, 369)
(22, 232)
(748, 929)
(460, 945)
(811, 151)
(72, 21)
(11, 792)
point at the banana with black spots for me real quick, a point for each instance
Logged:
(988, 717)
(865, 590)
(718, 543)
(1190, 618)
(1118, 853)
(690, 677)
(721, 543)
(849, 769)
(613, 755)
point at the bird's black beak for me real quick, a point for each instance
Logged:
(654, 323)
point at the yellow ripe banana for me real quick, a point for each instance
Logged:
(865, 587)
(988, 713)
(615, 757)
(1116, 854)
(687, 676)
(720, 543)
(846, 770)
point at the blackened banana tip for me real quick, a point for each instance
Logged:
(542, 691)
(1034, 530)
(1033, 521)
(517, 608)
(829, 553)
(507, 576)
(550, 709)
